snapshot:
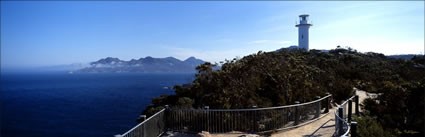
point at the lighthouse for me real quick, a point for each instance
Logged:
(303, 27)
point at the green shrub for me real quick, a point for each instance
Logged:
(368, 127)
(280, 78)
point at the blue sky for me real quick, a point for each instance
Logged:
(47, 33)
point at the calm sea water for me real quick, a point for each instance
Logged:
(78, 105)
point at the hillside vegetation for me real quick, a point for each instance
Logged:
(268, 79)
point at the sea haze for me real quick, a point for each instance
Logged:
(79, 104)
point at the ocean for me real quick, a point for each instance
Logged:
(79, 104)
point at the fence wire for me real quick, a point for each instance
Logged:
(244, 120)
(151, 127)
(255, 120)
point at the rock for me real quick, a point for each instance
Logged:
(204, 134)
(168, 134)
(177, 134)
(250, 135)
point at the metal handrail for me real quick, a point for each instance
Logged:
(254, 109)
(256, 120)
(344, 122)
(142, 123)
(346, 101)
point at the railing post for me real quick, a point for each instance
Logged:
(350, 110)
(255, 119)
(166, 118)
(356, 101)
(297, 115)
(327, 103)
(319, 107)
(208, 117)
(340, 122)
(353, 128)
(142, 117)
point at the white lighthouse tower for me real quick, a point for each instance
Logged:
(303, 27)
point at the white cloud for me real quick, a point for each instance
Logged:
(286, 42)
(259, 41)
(390, 47)
(375, 44)
(270, 42)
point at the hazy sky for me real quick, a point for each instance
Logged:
(60, 32)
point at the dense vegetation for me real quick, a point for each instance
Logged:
(369, 127)
(280, 78)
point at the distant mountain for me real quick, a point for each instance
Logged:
(194, 61)
(404, 56)
(147, 64)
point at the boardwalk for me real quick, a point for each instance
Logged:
(323, 127)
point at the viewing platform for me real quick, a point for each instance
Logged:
(301, 119)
